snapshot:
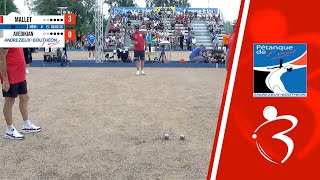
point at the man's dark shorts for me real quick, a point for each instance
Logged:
(16, 89)
(91, 48)
(139, 55)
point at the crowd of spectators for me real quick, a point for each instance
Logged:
(165, 24)
(215, 26)
(176, 28)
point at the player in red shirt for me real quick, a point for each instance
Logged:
(13, 81)
(139, 39)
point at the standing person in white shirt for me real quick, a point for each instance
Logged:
(193, 42)
(107, 41)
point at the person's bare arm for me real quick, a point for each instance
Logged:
(3, 63)
(3, 69)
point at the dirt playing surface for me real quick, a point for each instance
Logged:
(107, 123)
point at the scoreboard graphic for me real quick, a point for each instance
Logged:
(36, 31)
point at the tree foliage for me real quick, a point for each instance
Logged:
(120, 3)
(228, 27)
(11, 7)
(167, 3)
(84, 9)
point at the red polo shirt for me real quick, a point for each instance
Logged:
(231, 47)
(140, 38)
(16, 66)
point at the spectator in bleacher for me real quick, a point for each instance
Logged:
(189, 28)
(112, 27)
(213, 35)
(119, 42)
(91, 44)
(168, 13)
(196, 56)
(190, 16)
(185, 21)
(218, 57)
(174, 42)
(225, 40)
(209, 58)
(157, 37)
(181, 40)
(125, 20)
(173, 24)
(148, 25)
(129, 23)
(216, 43)
(193, 42)
(189, 41)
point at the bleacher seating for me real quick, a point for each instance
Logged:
(176, 21)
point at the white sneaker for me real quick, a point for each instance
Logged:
(138, 73)
(27, 71)
(30, 129)
(142, 73)
(13, 134)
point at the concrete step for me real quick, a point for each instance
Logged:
(203, 37)
(201, 34)
(199, 25)
(200, 28)
(203, 41)
(206, 44)
(198, 22)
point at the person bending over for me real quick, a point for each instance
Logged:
(196, 56)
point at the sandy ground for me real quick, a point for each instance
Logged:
(78, 55)
(106, 123)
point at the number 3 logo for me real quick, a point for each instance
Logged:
(270, 113)
(69, 18)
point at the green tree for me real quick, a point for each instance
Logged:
(10, 7)
(84, 10)
(228, 27)
(167, 3)
(121, 3)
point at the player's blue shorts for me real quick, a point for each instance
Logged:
(139, 55)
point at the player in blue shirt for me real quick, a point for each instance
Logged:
(91, 44)
(149, 41)
(196, 55)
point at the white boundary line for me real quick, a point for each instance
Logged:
(230, 90)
